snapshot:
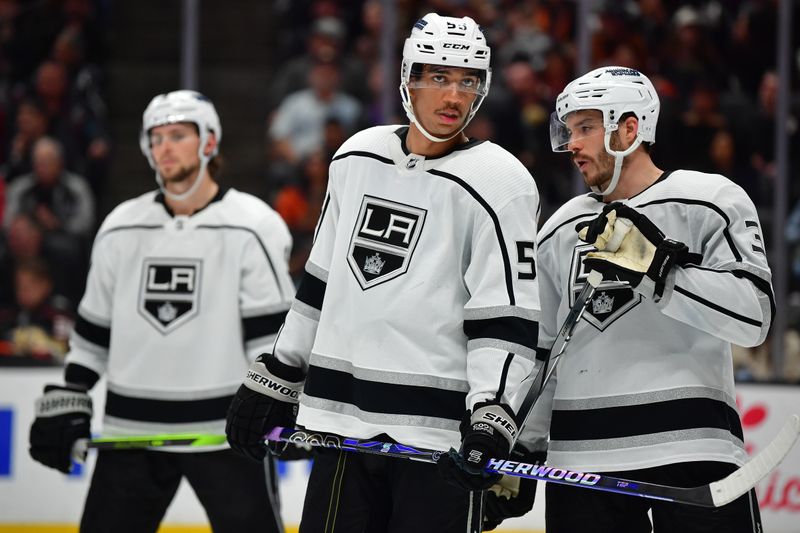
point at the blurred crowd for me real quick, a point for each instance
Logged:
(54, 151)
(713, 63)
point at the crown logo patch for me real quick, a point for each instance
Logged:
(602, 304)
(374, 264)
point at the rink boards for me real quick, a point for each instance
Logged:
(34, 499)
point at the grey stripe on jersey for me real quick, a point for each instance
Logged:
(79, 343)
(317, 271)
(113, 425)
(505, 346)
(305, 310)
(642, 398)
(643, 440)
(379, 418)
(266, 310)
(172, 394)
(383, 376)
(501, 311)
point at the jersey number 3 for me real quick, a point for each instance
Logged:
(526, 260)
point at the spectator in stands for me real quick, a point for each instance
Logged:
(298, 127)
(78, 124)
(60, 201)
(32, 124)
(37, 324)
(325, 44)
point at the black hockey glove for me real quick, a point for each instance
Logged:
(632, 249)
(63, 415)
(487, 432)
(511, 496)
(268, 398)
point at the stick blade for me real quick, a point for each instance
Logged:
(730, 488)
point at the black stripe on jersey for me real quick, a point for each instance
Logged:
(324, 210)
(725, 231)
(715, 307)
(361, 153)
(498, 230)
(260, 244)
(503, 375)
(750, 224)
(167, 411)
(542, 354)
(632, 420)
(259, 326)
(385, 398)
(573, 219)
(760, 283)
(94, 333)
(131, 227)
(311, 291)
(507, 328)
(76, 374)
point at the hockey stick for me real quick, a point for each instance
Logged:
(715, 494)
(145, 441)
(564, 335)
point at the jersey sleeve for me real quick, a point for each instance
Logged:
(91, 337)
(502, 313)
(296, 338)
(729, 295)
(266, 289)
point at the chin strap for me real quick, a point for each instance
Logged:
(618, 157)
(184, 195)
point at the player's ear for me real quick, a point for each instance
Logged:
(211, 144)
(628, 129)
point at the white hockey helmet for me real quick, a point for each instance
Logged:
(614, 91)
(175, 107)
(449, 41)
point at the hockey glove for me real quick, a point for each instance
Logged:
(511, 496)
(63, 415)
(268, 398)
(631, 249)
(487, 432)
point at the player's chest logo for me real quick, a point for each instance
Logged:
(169, 295)
(383, 240)
(609, 302)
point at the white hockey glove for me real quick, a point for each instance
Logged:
(63, 415)
(268, 398)
(632, 249)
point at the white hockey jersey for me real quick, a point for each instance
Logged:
(644, 384)
(420, 295)
(177, 307)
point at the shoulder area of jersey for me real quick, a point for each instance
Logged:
(692, 185)
(133, 211)
(581, 207)
(243, 208)
(373, 140)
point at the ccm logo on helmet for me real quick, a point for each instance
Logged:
(456, 46)
(267, 383)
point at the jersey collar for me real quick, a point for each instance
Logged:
(159, 199)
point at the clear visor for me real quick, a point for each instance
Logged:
(447, 78)
(575, 128)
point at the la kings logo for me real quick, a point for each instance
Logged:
(384, 238)
(608, 304)
(169, 295)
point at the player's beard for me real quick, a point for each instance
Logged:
(605, 165)
(183, 175)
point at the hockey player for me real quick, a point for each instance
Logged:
(645, 390)
(187, 285)
(416, 320)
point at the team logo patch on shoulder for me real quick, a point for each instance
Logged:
(384, 238)
(608, 304)
(169, 295)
